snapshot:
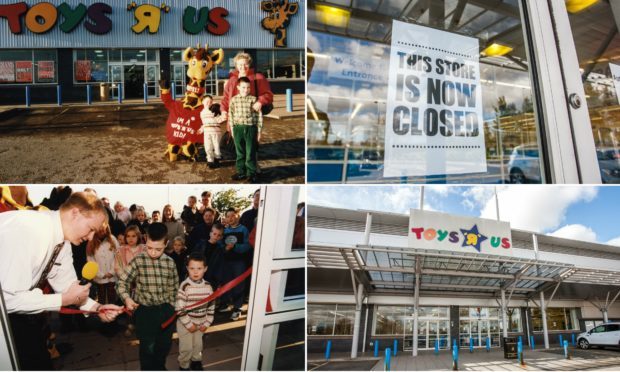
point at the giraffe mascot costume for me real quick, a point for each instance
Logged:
(184, 115)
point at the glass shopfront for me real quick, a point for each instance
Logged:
(463, 91)
(28, 66)
(433, 325)
(558, 319)
(330, 320)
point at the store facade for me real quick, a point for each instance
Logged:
(132, 45)
(368, 272)
(463, 91)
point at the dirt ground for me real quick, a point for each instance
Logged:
(107, 146)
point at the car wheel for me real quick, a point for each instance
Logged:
(517, 176)
(584, 344)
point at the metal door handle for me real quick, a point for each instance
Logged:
(575, 101)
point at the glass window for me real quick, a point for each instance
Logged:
(134, 55)
(115, 55)
(330, 319)
(348, 75)
(228, 65)
(264, 63)
(598, 49)
(90, 65)
(287, 64)
(514, 320)
(389, 320)
(558, 319)
(152, 55)
(176, 55)
(45, 63)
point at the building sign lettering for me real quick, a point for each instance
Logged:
(433, 230)
(434, 105)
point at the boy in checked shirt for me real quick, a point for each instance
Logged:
(193, 323)
(156, 280)
(246, 126)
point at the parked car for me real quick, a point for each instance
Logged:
(607, 334)
(609, 163)
(524, 164)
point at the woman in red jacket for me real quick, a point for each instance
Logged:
(243, 61)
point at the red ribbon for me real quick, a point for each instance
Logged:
(220, 291)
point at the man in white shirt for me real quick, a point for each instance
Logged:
(35, 246)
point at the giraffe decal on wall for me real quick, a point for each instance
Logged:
(280, 13)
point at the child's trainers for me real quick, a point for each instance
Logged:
(196, 366)
(211, 165)
(223, 308)
(236, 314)
(238, 177)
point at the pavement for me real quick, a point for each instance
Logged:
(112, 143)
(98, 346)
(480, 360)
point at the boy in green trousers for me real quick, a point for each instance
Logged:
(246, 129)
(157, 281)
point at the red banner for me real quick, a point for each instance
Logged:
(7, 72)
(23, 71)
(46, 70)
(82, 70)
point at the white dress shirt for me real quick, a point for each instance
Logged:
(27, 241)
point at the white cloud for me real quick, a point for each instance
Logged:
(394, 199)
(576, 232)
(533, 208)
(614, 241)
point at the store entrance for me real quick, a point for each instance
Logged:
(134, 81)
(429, 331)
(476, 332)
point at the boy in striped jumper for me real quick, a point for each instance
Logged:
(192, 324)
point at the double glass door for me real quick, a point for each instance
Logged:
(133, 76)
(476, 332)
(429, 331)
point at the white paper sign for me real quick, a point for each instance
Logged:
(615, 73)
(440, 231)
(434, 122)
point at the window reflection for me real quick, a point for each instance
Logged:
(598, 50)
(347, 106)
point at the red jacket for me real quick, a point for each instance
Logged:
(182, 124)
(230, 89)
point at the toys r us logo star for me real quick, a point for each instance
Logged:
(280, 12)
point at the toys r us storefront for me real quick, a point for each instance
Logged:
(130, 45)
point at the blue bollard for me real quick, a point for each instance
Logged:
(146, 93)
(59, 95)
(455, 356)
(572, 337)
(395, 347)
(520, 351)
(173, 89)
(89, 94)
(520, 339)
(532, 342)
(120, 92)
(28, 98)
(436, 347)
(560, 338)
(376, 348)
(565, 349)
(471, 345)
(388, 356)
(289, 100)
(488, 344)
(328, 349)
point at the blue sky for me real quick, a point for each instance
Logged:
(576, 212)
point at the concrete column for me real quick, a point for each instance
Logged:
(358, 318)
(504, 322)
(605, 317)
(365, 328)
(416, 304)
(367, 230)
(543, 311)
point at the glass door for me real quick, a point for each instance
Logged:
(179, 77)
(589, 45)
(116, 77)
(423, 326)
(152, 80)
(408, 335)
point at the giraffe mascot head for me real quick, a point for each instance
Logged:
(184, 116)
(280, 12)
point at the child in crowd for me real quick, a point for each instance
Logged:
(179, 255)
(213, 256)
(120, 238)
(193, 323)
(246, 127)
(155, 216)
(236, 247)
(140, 220)
(102, 250)
(153, 303)
(212, 117)
(124, 256)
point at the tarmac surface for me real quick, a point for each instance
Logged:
(98, 346)
(480, 360)
(112, 143)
